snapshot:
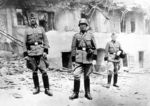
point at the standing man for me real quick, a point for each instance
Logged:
(113, 54)
(35, 52)
(83, 56)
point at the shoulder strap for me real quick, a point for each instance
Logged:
(114, 47)
(84, 39)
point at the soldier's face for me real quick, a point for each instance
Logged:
(83, 27)
(114, 37)
(33, 20)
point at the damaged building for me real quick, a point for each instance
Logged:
(60, 20)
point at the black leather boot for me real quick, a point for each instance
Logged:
(87, 88)
(47, 92)
(109, 81)
(36, 90)
(36, 83)
(115, 80)
(75, 94)
(46, 84)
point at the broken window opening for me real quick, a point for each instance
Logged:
(51, 20)
(21, 20)
(132, 26)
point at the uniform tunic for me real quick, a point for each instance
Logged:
(80, 45)
(83, 52)
(111, 49)
(35, 41)
(35, 44)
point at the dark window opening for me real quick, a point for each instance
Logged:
(132, 26)
(43, 21)
(43, 24)
(123, 26)
(21, 20)
(141, 59)
(66, 59)
(47, 21)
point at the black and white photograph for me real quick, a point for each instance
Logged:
(74, 53)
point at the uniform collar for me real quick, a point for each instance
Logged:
(34, 26)
(83, 33)
(113, 41)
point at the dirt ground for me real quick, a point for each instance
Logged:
(16, 88)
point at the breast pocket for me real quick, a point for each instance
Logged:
(117, 47)
(30, 38)
(39, 37)
(111, 49)
(88, 42)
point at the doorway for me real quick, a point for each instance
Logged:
(66, 59)
(125, 61)
(141, 59)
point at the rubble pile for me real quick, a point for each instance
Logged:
(11, 66)
(13, 71)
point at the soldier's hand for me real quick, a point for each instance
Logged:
(94, 62)
(118, 53)
(26, 58)
(90, 51)
(73, 64)
(45, 55)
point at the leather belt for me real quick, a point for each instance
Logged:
(36, 43)
(112, 53)
(82, 48)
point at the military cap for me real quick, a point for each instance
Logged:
(33, 15)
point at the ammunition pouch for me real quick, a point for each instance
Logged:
(122, 55)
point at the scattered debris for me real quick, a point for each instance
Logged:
(17, 95)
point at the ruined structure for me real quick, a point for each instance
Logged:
(129, 19)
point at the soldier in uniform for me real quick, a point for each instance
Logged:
(83, 56)
(35, 52)
(113, 54)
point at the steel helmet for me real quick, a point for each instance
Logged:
(83, 21)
